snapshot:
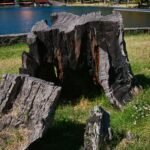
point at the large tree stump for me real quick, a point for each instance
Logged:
(89, 45)
(28, 104)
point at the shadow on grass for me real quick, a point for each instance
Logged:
(78, 84)
(68, 136)
(74, 94)
(61, 136)
(143, 80)
(118, 136)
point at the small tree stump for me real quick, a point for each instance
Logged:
(90, 45)
(98, 131)
(28, 104)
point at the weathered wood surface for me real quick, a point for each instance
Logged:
(90, 43)
(98, 131)
(27, 103)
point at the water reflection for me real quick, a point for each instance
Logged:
(26, 14)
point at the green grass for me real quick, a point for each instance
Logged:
(10, 58)
(70, 118)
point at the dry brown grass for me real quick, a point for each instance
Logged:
(9, 66)
(13, 139)
(138, 47)
(84, 104)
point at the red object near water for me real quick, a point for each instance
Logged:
(25, 3)
(41, 1)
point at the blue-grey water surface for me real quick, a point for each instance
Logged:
(21, 19)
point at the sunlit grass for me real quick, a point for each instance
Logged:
(71, 118)
(10, 65)
(10, 58)
(13, 51)
(138, 48)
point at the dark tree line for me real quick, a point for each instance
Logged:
(6, 1)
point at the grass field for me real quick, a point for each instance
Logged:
(69, 122)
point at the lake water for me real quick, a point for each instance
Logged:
(21, 19)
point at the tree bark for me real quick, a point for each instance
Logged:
(97, 132)
(27, 103)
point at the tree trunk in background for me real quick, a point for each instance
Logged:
(90, 46)
(27, 104)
